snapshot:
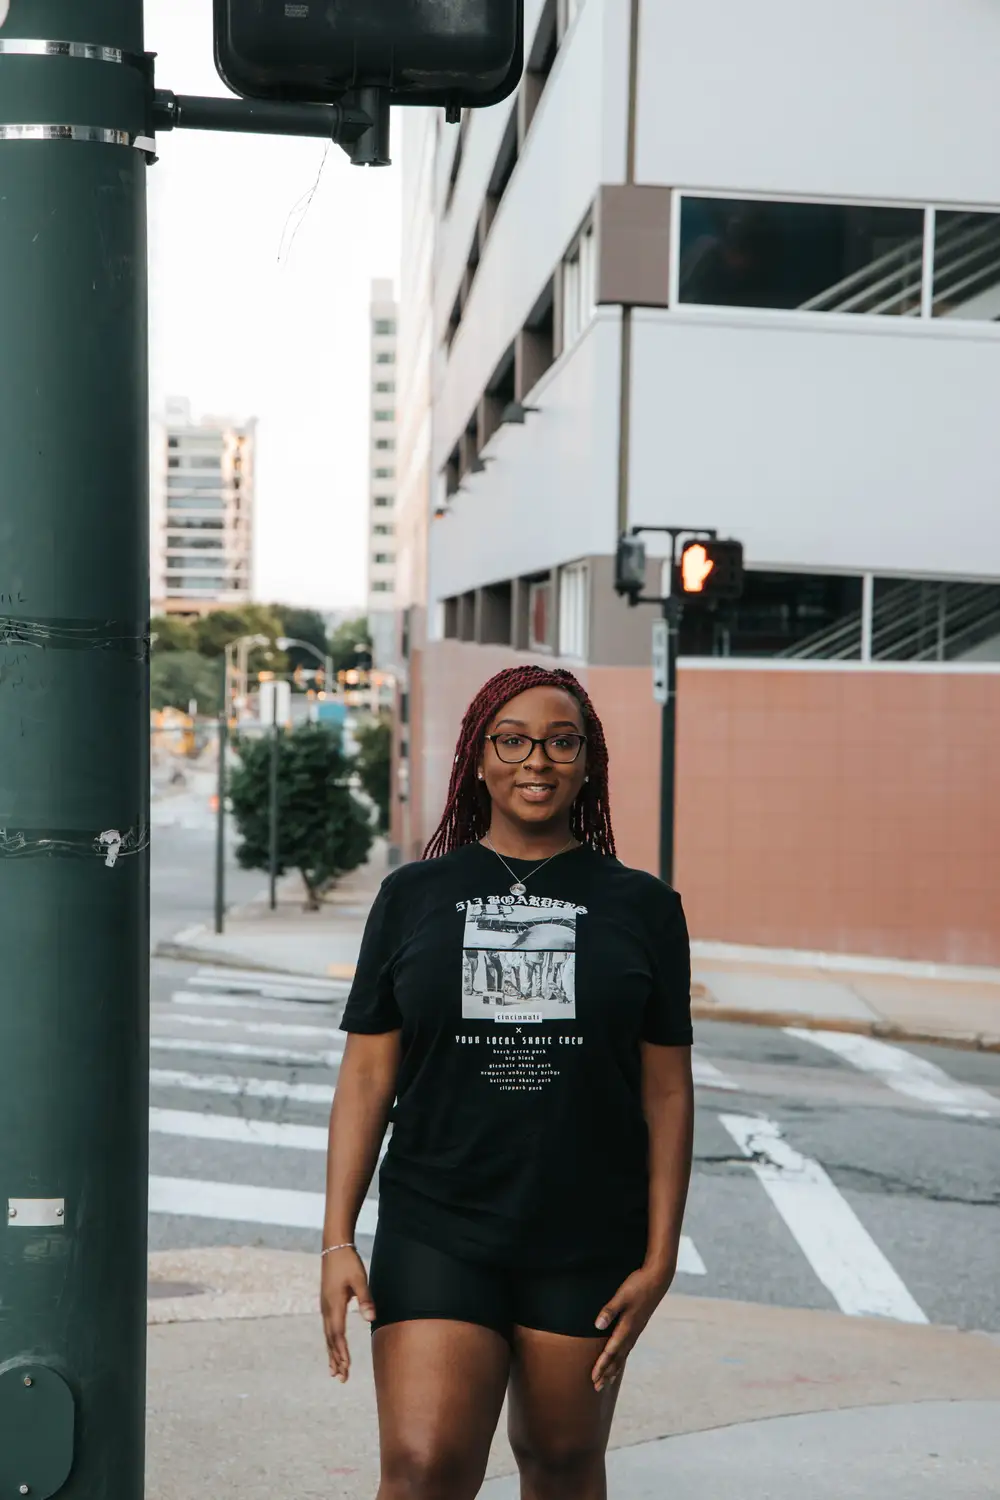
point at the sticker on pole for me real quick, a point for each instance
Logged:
(660, 647)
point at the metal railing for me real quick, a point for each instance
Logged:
(911, 621)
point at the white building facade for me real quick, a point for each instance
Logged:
(382, 462)
(727, 267)
(202, 512)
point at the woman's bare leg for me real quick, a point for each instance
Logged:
(440, 1388)
(557, 1423)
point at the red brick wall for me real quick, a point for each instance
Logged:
(853, 810)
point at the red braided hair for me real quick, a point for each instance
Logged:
(467, 810)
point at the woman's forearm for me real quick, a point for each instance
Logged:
(669, 1110)
(366, 1088)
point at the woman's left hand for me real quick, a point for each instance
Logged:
(630, 1309)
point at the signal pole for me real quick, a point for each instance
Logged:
(74, 749)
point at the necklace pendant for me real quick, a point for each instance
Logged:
(517, 889)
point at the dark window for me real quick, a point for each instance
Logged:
(495, 615)
(822, 257)
(385, 327)
(451, 619)
(967, 266)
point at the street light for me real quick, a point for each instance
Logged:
(284, 642)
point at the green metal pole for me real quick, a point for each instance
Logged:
(74, 750)
(220, 812)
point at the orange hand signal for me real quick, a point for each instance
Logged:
(695, 568)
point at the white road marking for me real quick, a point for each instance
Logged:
(242, 1088)
(277, 986)
(283, 1056)
(689, 1262)
(206, 1000)
(828, 1232)
(905, 1072)
(708, 1076)
(191, 1197)
(196, 1125)
(253, 1028)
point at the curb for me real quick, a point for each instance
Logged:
(702, 1009)
(886, 1031)
(186, 954)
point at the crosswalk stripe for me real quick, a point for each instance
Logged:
(689, 1262)
(206, 1000)
(904, 1072)
(828, 1232)
(195, 1125)
(289, 1208)
(708, 1076)
(274, 985)
(252, 1028)
(236, 1087)
(285, 1056)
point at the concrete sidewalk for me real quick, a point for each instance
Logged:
(721, 1399)
(876, 997)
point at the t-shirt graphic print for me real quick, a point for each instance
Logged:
(519, 959)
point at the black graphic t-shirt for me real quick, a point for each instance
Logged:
(518, 1132)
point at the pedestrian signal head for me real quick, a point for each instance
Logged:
(711, 569)
(630, 567)
(449, 56)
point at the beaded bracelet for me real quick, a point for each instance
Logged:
(348, 1245)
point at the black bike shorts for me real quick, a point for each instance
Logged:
(410, 1280)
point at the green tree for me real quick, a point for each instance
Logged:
(216, 630)
(344, 643)
(173, 634)
(323, 829)
(302, 625)
(175, 677)
(374, 763)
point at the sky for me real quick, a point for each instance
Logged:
(259, 306)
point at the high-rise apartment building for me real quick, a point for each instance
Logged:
(717, 266)
(382, 473)
(202, 512)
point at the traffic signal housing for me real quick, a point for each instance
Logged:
(710, 569)
(630, 567)
(421, 52)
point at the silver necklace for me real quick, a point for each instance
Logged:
(519, 887)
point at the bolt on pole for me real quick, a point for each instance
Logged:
(74, 749)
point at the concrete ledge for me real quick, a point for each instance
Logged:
(887, 1031)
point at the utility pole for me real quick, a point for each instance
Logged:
(74, 749)
(220, 812)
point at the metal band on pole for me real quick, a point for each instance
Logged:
(93, 134)
(23, 46)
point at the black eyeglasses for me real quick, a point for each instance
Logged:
(561, 749)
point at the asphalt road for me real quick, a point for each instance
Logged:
(182, 861)
(869, 1184)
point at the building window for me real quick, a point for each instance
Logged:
(385, 387)
(383, 530)
(385, 445)
(539, 615)
(380, 586)
(384, 557)
(386, 357)
(579, 287)
(966, 276)
(382, 500)
(385, 327)
(173, 442)
(451, 619)
(573, 609)
(386, 415)
(816, 257)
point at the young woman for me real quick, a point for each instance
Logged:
(524, 1000)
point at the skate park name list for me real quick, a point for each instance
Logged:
(519, 1063)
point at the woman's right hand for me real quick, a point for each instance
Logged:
(343, 1277)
